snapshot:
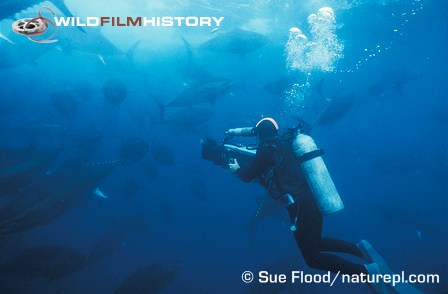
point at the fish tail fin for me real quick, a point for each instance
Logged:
(318, 118)
(193, 70)
(131, 51)
(189, 50)
(159, 103)
(190, 62)
(306, 127)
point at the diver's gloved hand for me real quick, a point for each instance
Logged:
(233, 165)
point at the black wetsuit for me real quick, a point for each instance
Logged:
(309, 219)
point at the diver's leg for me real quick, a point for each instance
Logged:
(324, 261)
(336, 245)
(333, 263)
(309, 240)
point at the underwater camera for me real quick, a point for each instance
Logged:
(223, 152)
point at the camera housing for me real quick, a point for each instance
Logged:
(221, 153)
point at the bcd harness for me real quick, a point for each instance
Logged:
(269, 178)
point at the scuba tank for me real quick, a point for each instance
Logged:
(316, 174)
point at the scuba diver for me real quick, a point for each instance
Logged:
(292, 170)
(277, 168)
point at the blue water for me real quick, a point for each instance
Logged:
(387, 153)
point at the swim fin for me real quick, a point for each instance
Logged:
(374, 269)
(371, 255)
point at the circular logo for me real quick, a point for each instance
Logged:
(247, 277)
(32, 27)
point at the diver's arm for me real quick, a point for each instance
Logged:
(264, 159)
(234, 166)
